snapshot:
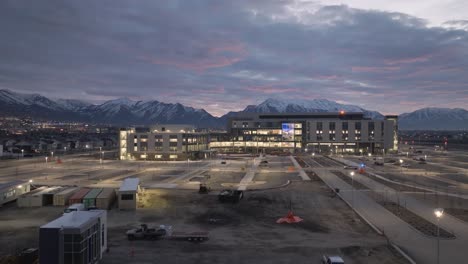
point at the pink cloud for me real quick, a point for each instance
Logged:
(217, 57)
(374, 69)
(422, 58)
(271, 89)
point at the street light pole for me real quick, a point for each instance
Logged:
(401, 166)
(439, 212)
(352, 190)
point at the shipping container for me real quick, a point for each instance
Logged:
(105, 199)
(25, 199)
(90, 199)
(77, 197)
(44, 197)
(61, 198)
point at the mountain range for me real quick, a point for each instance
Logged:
(124, 111)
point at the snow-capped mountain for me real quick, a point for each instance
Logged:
(435, 119)
(72, 104)
(306, 106)
(122, 111)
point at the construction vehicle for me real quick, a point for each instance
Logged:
(204, 188)
(230, 196)
(165, 232)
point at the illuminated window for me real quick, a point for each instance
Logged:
(158, 156)
(173, 156)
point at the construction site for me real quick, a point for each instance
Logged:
(245, 208)
(232, 209)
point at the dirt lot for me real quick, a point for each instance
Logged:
(239, 233)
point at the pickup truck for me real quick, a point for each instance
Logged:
(165, 232)
(332, 260)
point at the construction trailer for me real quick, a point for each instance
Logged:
(128, 194)
(90, 199)
(76, 237)
(78, 196)
(25, 199)
(61, 198)
(105, 199)
(10, 191)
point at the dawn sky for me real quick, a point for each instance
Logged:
(390, 56)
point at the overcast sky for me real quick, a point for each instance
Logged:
(390, 56)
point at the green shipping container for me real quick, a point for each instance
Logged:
(90, 199)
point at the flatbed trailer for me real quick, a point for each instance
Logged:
(165, 232)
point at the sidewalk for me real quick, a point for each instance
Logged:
(420, 247)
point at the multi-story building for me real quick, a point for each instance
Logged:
(75, 238)
(315, 132)
(162, 142)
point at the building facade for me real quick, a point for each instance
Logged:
(75, 238)
(314, 132)
(162, 142)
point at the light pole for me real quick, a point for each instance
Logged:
(439, 212)
(46, 158)
(401, 165)
(52, 154)
(352, 190)
(22, 153)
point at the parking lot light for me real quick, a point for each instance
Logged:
(439, 212)
(352, 190)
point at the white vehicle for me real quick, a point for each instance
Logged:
(405, 165)
(332, 260)
(350, 168)
(74, 208)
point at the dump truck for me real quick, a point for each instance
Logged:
(164, 232)
(230, 196)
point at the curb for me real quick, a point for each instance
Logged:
(397, 248)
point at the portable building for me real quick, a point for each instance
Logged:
(76, 237)
(10, 191)
(128, 194)
(25, 199)
(90, 199)
(61, 198)
(78, 196)
(105, 199)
